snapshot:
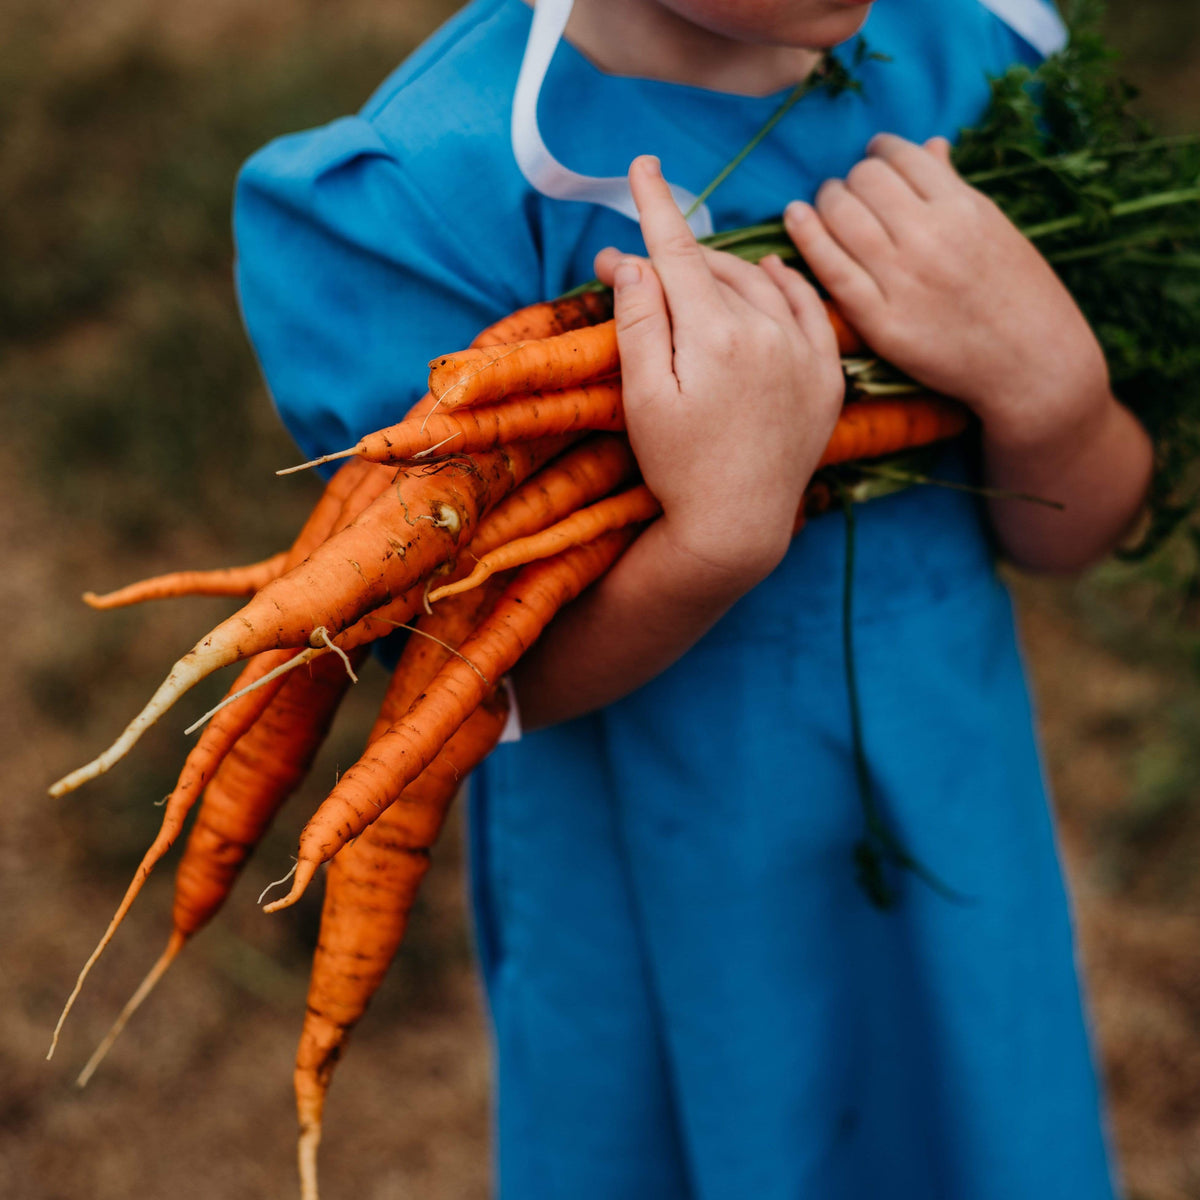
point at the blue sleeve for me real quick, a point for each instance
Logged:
(351, 276)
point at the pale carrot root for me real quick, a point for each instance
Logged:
(168, 956)
(200, 662)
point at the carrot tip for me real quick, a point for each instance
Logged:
(304, 870)
(316, 462)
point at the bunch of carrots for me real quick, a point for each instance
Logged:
(505, 492)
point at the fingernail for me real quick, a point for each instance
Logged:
(797, 211)
(627, 273)
(654, 164)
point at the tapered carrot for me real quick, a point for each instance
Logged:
(396, 758)
(469, 431)
(369, 892)
(252, 783)
(222, 581)
(886, 425)
(415, 525)
(628, 508)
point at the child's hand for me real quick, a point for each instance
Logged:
(939, 282)
(731, 381)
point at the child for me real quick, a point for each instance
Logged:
(691, 995)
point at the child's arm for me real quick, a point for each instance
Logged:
(940, 283)
(731, 386)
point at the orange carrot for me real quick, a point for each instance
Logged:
(628, 508)
(369, 892)
(480, 375)
(490, 372)
(406, 532)
(549, 318)
(223, 581)
(515, 419)
(872, 428)
(396, 758)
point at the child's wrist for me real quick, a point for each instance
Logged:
(723, 559)
(1053, 432)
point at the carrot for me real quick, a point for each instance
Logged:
(874, 427)
(255, 778)
(407, 531)
(480, 375)
(490, 372)
(628, 508)
(223, 581)
(469, 431)
(369, 892)
(580, 476)
(396, 758)
(371, 884)
(549, 318)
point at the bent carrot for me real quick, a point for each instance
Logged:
(396, 758)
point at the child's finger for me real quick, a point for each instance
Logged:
(840, 274)
(806, 306)
(889, 196)
(924, 167)
(686, 280)
(605, 263)
(749, 283)
(643, 330)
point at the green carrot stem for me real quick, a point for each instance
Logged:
(1126, 208)
(883, 471)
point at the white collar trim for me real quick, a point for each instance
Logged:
(543, 171)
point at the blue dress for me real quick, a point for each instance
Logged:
(691, 995)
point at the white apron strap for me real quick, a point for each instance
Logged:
(543, 171)
(1035, 20)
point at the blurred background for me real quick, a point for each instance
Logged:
(139, 439)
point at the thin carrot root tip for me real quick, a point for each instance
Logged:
(310, 1139)
(316, 462)
(304, 656)
(156, 972)
(304, 870)
(187, 672)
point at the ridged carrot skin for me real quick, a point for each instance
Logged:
(372, 883)
(396, 758)
(516, 418)
(877, 426)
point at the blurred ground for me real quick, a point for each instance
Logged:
(126, 380)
